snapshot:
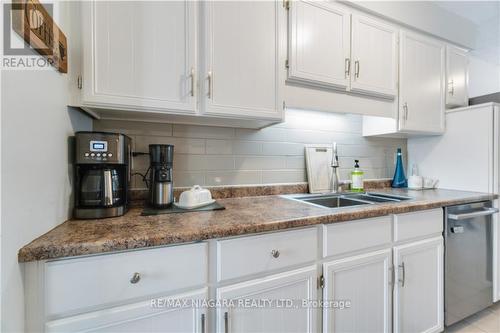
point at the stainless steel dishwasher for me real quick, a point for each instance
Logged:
(468, 259)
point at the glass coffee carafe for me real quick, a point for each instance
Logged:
(102, 186)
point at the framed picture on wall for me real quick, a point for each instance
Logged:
(33, 22)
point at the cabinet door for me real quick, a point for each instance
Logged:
(182, 315)
(140, 55)
(374, 56)
(244, 59)
(421, 84)
(418, 297)
(319, 45)
(284, 312)
(457, 64)
(365, 281)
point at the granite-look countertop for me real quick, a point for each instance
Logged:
(243, 215)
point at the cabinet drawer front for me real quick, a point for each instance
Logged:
(250, 255)
(138, 317)
(356, 235)
(82, 283)
(413, 225)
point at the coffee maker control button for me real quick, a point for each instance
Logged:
(92, 154)
(87, 154)
(110, 155)
(98, 154)
(104, 155)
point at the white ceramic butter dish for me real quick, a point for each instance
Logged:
(196, 197)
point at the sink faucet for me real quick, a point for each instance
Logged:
(336, 183)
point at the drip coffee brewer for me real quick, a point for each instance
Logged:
(102, 174)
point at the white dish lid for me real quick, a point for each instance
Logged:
(195, 197)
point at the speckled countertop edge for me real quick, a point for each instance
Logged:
(244, 215)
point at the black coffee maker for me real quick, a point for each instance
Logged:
(161, 186)
(102, 174)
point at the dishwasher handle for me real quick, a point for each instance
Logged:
(464, 216)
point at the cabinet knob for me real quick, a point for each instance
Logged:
(135, 278)
(275, 253)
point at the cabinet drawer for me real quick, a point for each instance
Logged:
(413, 225)
(238, 257)
(351, 236)
(92, 281)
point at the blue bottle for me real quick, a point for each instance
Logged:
(399, 180)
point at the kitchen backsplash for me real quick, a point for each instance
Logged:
(212, 156)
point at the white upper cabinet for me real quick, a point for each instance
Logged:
(319, 43)
(457, 63)
(374, 56)
(140, 55)
(140, 61)
(421, 84)
(325, 51)
(244, 58)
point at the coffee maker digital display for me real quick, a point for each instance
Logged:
(98, 146)
(102, 174)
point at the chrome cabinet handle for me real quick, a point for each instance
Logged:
(192, 82)
(347, 70)
(135, 278)
(451, 90)
(484, 212)
(226, 322)
(393, 277)
(405, 110)
(458, 229)
(356, 69)
(275, 253)
(202, 323)
(210, 80)
(402, 266)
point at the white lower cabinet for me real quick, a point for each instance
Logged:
(418, 297)
(283, 310)
(141, 317)
(365, 282)
(380, 275)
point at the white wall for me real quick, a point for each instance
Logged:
(227, 156)
(484, 77)
(484, 66)
(425, 16)
(36, 187)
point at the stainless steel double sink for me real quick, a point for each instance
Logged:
(331, 200)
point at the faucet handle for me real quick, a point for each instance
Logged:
(335, 157)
